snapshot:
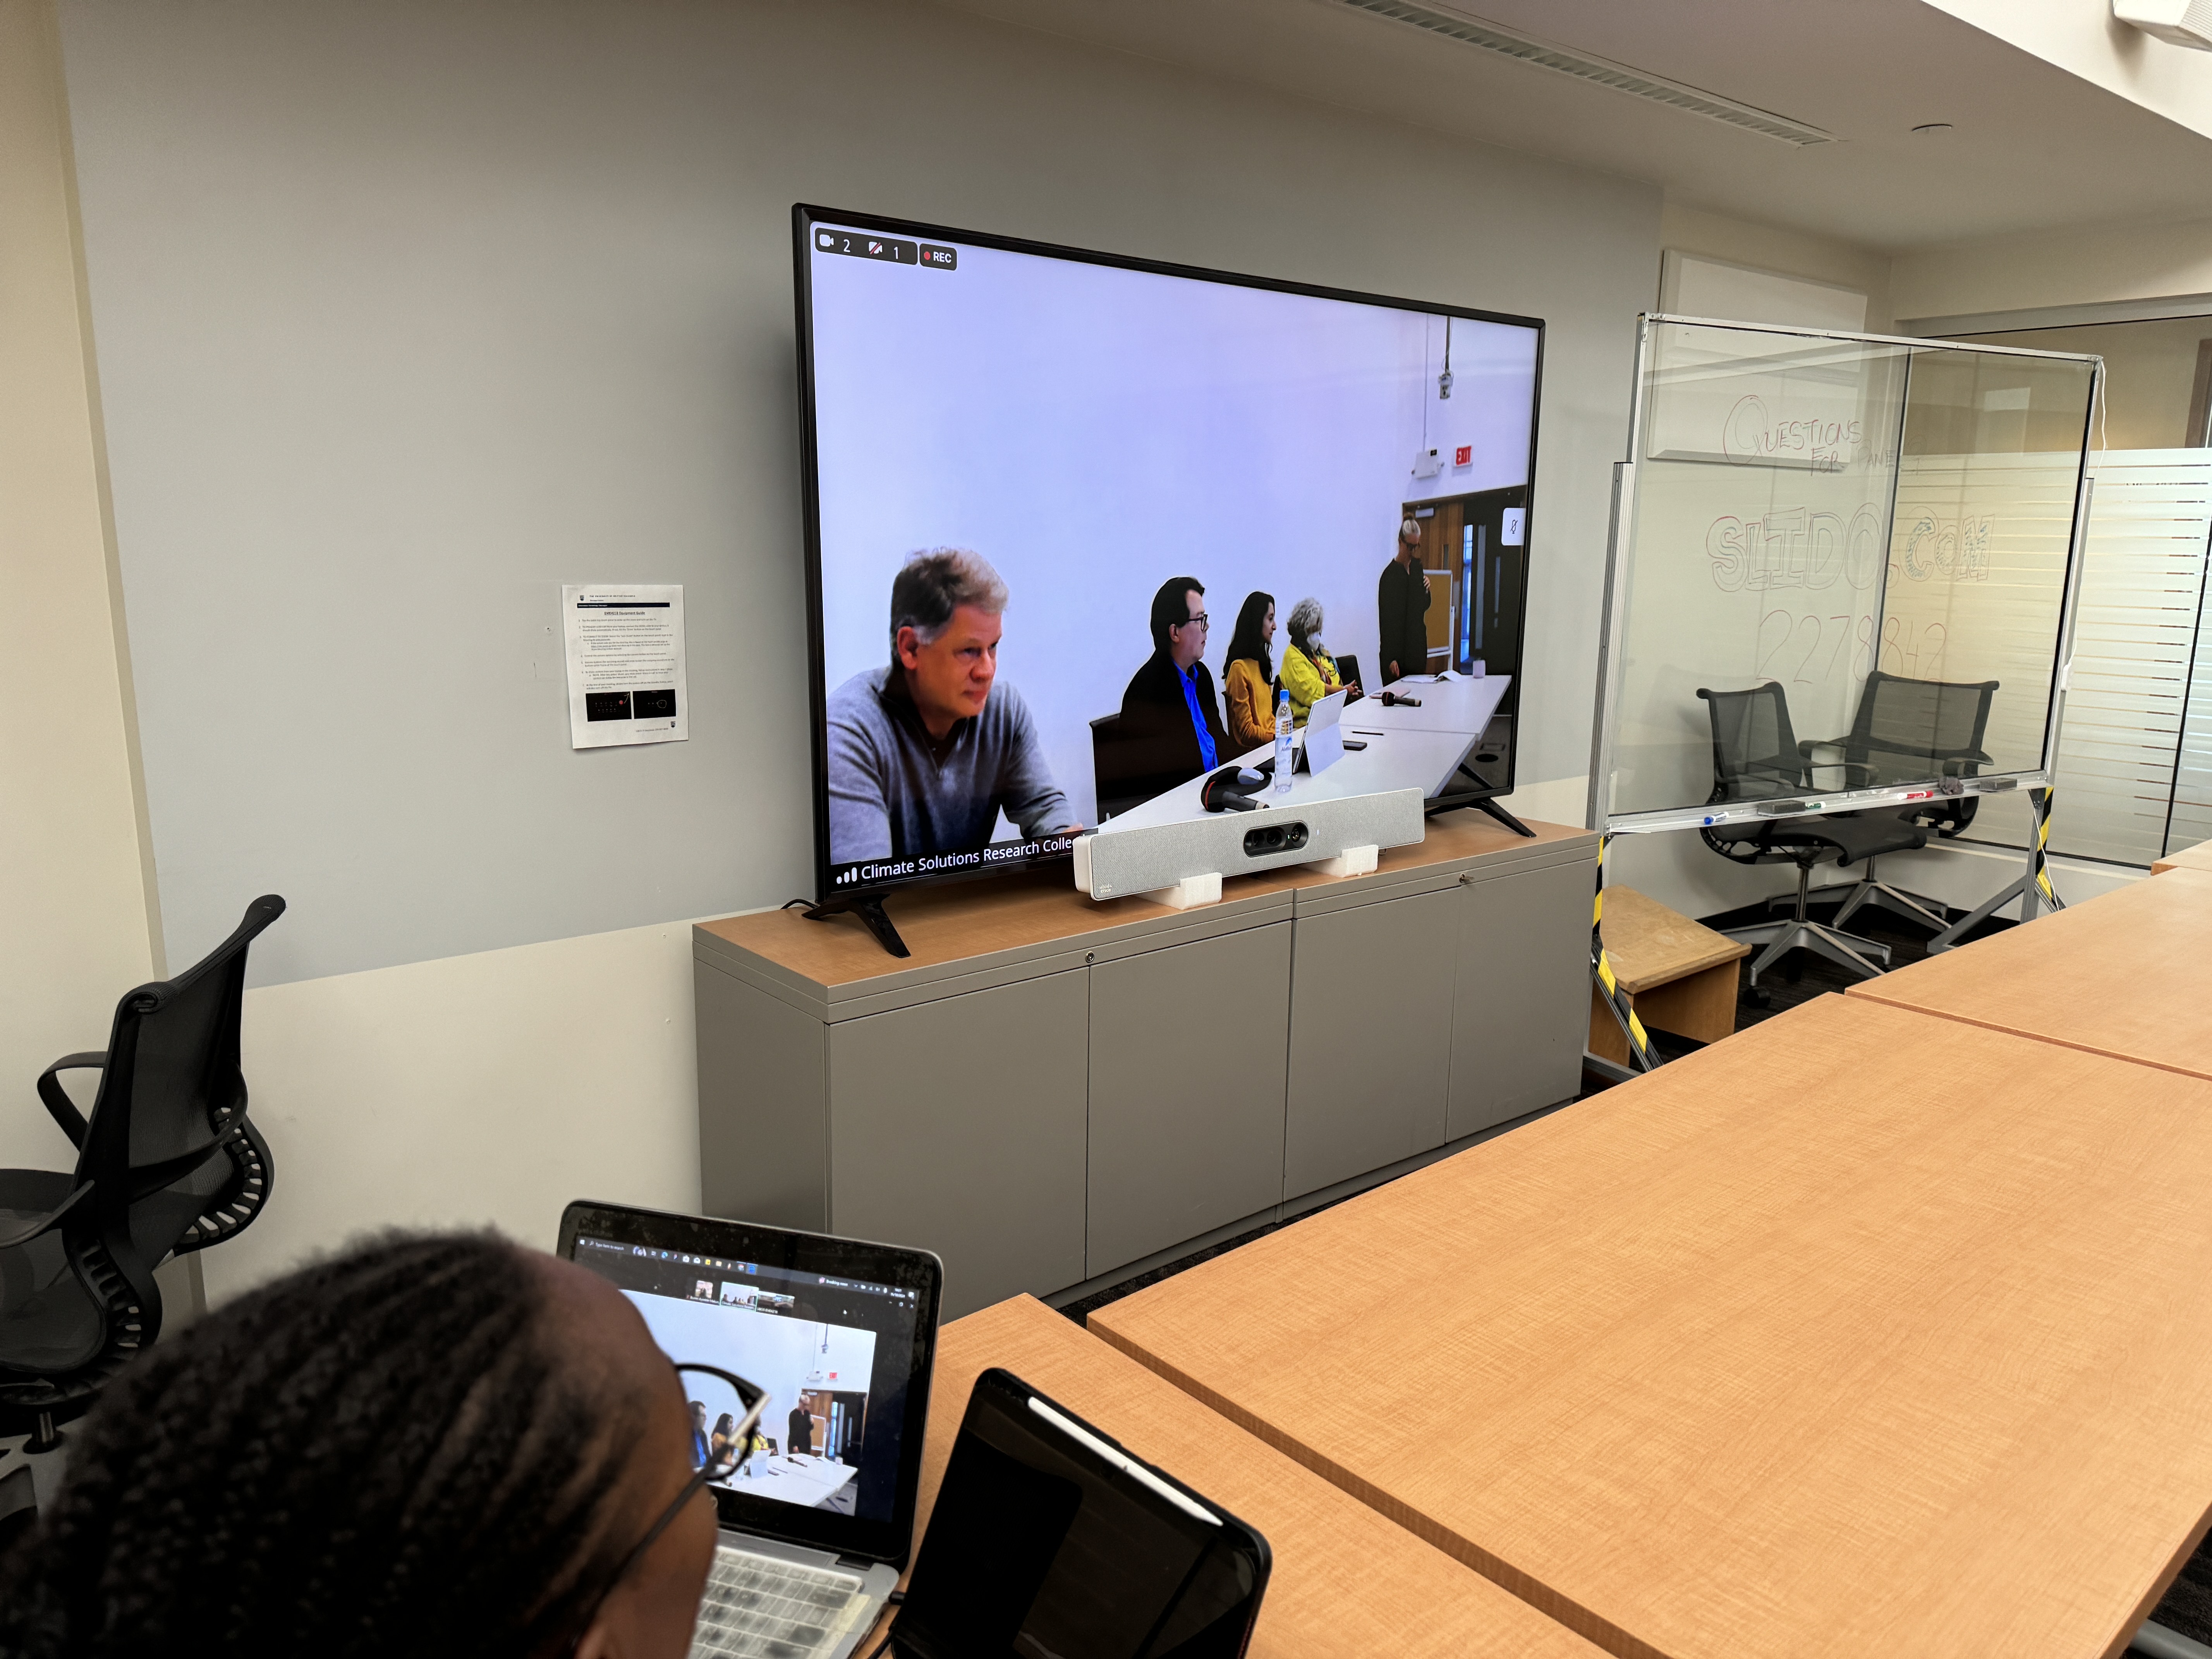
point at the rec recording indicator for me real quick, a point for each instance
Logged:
(939, 258)
(862, 246)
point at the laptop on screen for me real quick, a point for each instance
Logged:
(818, 1523)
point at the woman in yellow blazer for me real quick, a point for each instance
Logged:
(1309, 671)
(1250, 679)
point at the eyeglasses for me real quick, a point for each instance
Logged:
(717, 1454)
(1200, 620)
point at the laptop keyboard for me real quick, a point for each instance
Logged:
(759, 1608)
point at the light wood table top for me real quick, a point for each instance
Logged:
(2115, 975)
(1860, 1332)
(1345, 1582)
(1649, 944)
(974, 919)
(2198, 857)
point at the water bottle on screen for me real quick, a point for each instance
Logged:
(1283, 759)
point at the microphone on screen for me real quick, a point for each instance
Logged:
(1392, 699)
(1229, 789)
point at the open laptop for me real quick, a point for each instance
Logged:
(818, 1525)
(1325, 742)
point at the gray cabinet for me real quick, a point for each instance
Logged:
(1370, 1037)
(1187, 1080)
(1521, 1005)
(959, 1127)
(763, 1104)
(1048, 1089)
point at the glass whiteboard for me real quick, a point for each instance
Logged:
(1878, 536)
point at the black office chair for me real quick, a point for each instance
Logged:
(1348, 669)
(74, 1308)
(1907, 731)
(1111, 767)
(166, 1164)
(1757, 756)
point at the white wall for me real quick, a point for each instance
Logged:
(476, 1090)
(2070, 267)
(1693, 229)
(489, 296)
(73, 901)
(414, 309)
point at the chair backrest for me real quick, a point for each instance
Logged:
(1906, 730)
(172, 1088)
(1113, 765)
(1348, 669)
(1756, 755)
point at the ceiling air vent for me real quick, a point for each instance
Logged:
(1474, 31)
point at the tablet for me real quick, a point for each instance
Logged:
(1049, 1540)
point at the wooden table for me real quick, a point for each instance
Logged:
(1679, 974)
(1862, 1333)
(2117, 974)
(1346, 1582)
(2198, 857)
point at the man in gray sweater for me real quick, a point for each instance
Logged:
(925, 753)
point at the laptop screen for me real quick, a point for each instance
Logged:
(839, 1345)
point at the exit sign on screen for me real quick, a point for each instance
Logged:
(1463, 456)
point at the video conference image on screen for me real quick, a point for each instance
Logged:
(1081, 525)
(811, 1342)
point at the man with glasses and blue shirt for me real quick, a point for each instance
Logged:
(1170, 719)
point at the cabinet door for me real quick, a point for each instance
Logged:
(764, 1105)
(958, 1127)
(1370, 1037)
(1522, 1010)
(1187, 1073)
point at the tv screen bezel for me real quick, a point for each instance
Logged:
(804, 216)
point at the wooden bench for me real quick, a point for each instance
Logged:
(1679, 974)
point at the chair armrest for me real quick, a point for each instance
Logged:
(1806, 746)
(26, 1231)
(1955, 764)
(60, 1106)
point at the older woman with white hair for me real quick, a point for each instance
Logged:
(1308, 672)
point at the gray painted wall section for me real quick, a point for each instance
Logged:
(407, 313)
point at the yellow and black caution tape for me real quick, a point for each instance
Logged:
(1624, 1011)
(2040, 801)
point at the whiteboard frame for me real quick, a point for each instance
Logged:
(1814, 802)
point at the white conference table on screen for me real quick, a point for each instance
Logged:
(801, 1478)
(1407, 749)
(1458, 704)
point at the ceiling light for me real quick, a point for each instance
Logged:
(2177, 22)
(1474, 30)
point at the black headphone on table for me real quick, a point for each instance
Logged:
(1230, 788)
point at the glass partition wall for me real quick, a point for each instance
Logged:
(1842, 573)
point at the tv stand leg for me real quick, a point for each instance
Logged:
(1486, 805)
(870, 911)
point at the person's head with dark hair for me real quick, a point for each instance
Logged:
(1179, 619)
(433, 1445)
(948, 609)
(1256, 630)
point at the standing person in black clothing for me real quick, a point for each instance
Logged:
(1171, 719)
(1401, 604)
(802, 1430)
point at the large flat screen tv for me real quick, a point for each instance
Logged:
(1073, 519)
